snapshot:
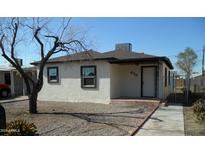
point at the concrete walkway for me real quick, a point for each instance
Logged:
(166, 121)
(15, 99)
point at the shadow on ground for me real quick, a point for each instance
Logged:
(84, 119)
(102, 118)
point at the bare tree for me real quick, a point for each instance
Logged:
(50, 41)
(185, 62)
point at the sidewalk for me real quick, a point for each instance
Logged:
(166, 121)
(19, 98)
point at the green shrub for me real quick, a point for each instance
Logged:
(199, 109)
(20, 128)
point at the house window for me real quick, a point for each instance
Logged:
(165, 77)
(88, 76)
(169, 79)
(53, 75)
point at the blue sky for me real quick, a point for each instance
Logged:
(156, 36)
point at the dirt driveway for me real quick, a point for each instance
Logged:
(81, 118)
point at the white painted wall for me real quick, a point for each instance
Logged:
(149, 88)
(113, 81)
(165, 90)
(161, 81)
(69, 87)
(123, 82)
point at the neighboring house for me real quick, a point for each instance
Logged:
(197, 83)
(10, 76)
(100, 77)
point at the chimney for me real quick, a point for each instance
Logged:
(123, 46)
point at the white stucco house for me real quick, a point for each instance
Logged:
(100, 77)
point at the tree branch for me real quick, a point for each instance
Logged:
(1, 45)
(52, 36)
(75, 41)
(15, 31)
(14, 63)
(65, 27)
(39, 41)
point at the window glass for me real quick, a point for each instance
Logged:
(52, 71)
(52, 74)
(88, 76)
(89, 81)
(88, 71)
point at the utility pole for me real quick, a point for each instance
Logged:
(203, 73)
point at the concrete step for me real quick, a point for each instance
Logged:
(134, 101)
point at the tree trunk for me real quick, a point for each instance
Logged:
(33, 102)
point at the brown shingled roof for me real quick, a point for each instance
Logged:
(79, 56)
(126, 54)
(114, 56)
(86, 55)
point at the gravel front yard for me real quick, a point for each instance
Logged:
(81, 118)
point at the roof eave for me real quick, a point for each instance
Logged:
(143, 60)
(51, 62)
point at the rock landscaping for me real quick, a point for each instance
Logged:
(81, 119)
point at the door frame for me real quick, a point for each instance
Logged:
(155, 80)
